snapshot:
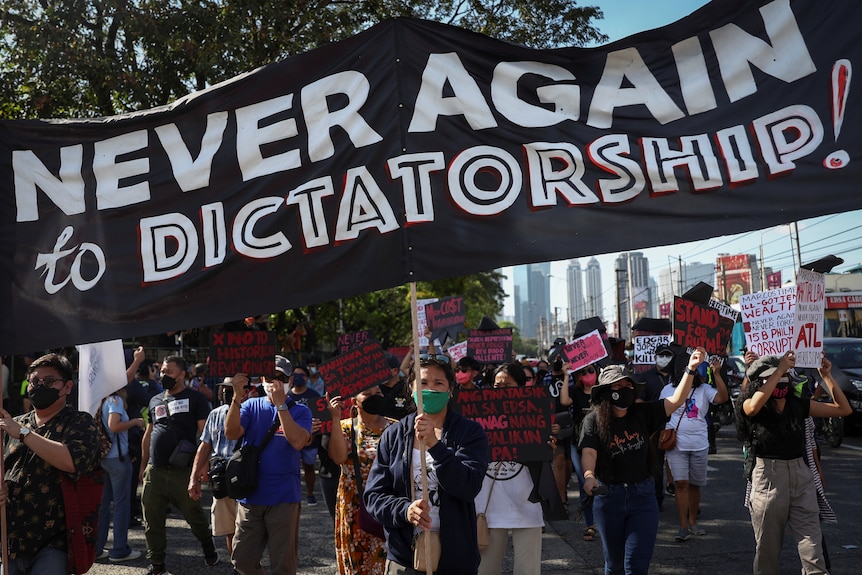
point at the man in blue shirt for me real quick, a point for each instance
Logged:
(269, 517)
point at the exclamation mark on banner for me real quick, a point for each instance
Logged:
(841, 74)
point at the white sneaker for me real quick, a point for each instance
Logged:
(133, 554)
(103, 555)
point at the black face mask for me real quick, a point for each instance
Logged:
(622, 398)
(168, 382)
(43, 396)
(557, 366)
(374, 404)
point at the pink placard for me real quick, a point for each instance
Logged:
(585, 350)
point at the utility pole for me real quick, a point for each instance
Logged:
(798, 249)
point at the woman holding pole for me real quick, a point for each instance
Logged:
(455, 453)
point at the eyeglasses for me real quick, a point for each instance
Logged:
(436, 358)
(463, 369)
(48, 381)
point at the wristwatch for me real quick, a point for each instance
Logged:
(23, 432)
(283, 407)
(690, 371)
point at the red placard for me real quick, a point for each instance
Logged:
(251, 352)
(697, 325)
(348, 341)
(356, 370)
(585, 350)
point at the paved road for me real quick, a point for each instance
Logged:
(728, 547)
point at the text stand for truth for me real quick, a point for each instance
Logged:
(414, 314)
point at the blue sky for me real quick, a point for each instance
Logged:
(839, 234)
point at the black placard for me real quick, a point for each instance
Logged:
(490, 346)
(517, 420)
(356, 370)
(251, 352)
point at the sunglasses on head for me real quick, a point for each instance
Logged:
(426, 358)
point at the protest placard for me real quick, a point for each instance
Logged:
(446, 317)
(808, 318)
(356, 370)
(517, 420)
(348, 341)
(250, 352)
(767, 319)
(490, 345)
(698, 325)
(422, 321)
(457, 351)
(645, 345)
(585, 350)
(320, 410)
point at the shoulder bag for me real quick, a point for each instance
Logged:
(483, 534)
(81, 501)
(667, 437)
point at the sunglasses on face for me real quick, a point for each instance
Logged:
(590, 369)
(426, 358)
(463, 369)
(48, 381)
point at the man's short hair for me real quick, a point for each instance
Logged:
(59, 362)
(470, 363)
(178, 360)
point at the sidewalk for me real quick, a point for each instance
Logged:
(727, 549)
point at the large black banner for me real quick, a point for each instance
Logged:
(416, 151)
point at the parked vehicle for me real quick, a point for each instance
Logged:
(845, 353)
(734, 373)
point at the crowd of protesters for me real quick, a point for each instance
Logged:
(392, 477)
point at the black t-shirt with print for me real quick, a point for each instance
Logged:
(625, 459)
(781, 435)
(174, 417)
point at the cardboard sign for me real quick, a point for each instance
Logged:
(517, 420)
(490, 346)
(585, 350)
(698, 325)
(251, 352)
(767, 319)
(645, 345)
(457, 351)
(358, 369)
(446, 317)
(808, 318)
(348, 341)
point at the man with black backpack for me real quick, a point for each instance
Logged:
(269, 515)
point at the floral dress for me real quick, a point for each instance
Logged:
(357, 552)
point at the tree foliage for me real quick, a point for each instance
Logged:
(84, 58)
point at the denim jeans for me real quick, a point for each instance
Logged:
(118, 477)
(579, 472)
(47, 561)
(627, 519)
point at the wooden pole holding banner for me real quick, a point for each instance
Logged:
(4, 552)
(419, 410)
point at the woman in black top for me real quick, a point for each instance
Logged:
(615, 451)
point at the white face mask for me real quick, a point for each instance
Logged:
(662, 361)
(269, 386)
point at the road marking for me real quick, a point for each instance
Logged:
(853, 447)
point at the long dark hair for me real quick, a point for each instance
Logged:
(516, 370)
(604, 417)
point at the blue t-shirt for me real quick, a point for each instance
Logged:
(114, 404)
(278, 476)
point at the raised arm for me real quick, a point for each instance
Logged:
(673, 402)
(839, 407)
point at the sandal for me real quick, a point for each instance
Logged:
(590, 533)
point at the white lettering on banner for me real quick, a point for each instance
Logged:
(248, 244)
(413, 169)
(363, 206)
(109, 172)
(215, 241)
(465, 170)
(449, 90)
(546, 181)
(309, 198)
(157, 234)
(566, 99)
(787, 58)
(193, 173)
(696, 153)
(49, 261)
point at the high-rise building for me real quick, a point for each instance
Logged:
(593, 299)
(634, 296)
(677, 279)
(575, 278)
(532, 288)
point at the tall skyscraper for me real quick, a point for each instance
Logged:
(575, 278)
(675, 280)
(593, 299)
(532, 288)
(634, 296)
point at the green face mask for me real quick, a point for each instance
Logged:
(432, 401)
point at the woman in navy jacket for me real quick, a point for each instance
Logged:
(456, 456)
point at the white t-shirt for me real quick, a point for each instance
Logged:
(692, 434)
(509, 507)
(431, 479)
